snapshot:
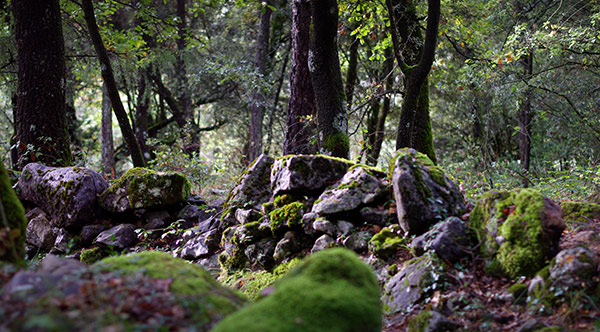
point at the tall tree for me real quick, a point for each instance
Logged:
(108, 150)
(257, 107)
(302, 109)
(111, 85)
(326, 76)
(414, 129)
(525, 117)
(40, 113)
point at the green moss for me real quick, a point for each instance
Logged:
(146, 188)
(386, 243)
(420, 322)
(91, 256)
(282, 200)
(252, 283)
(288, 215)
(418, 161)
(331, 291)
(580, 211)
(336, 144)
(518, 291)
(12, 222)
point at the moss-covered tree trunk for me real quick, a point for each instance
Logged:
(414, 129)
(12, 222)
(326, 76)
(302, 109)
(40, 112)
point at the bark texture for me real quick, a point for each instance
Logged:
(111, 85)
(257, 108)
(40, 112)
(108, 149)
(525, 118)
(300, 136)
(326, 76)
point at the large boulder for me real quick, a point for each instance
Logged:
(141, 188)
(518, 231)
(331, 291)
(67, 194)
(416, 278)
(424, 194)
(253, 187)
(306, 174)
(357, 187)
(12, 234)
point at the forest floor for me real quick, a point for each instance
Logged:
(477, 301)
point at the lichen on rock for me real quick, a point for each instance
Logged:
(143, 188)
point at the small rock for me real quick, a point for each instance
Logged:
(431, 321)
(90, 232)
(119, 237)
(325, 226)
(358, 242)
(40, 233)
(344, 227)
(322, 242)
(157, 219)
(62, 242)
(286, 247)
(448, 239)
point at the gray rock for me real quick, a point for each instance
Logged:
(55, 265)
(358, 242)
(573, 267)
(323, 242)
(423, 193)
(90, 232)
(356, 188)
(448, 239)
(197, 214)
(62, 242)
(261, 253)
(244, 216)
(68, 194)
(156, 219)
(119, 237)
(286, 247)
(40, 233)
(374, 216)
(344, 227)
(415, 278)
(253, 186)
(141, 188)
(325, 226)
(195, 248)
(306, 174)
(29, 283)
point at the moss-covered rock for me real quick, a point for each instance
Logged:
(67, 194)
(387, 242)
(423, 194)
(252, 283)
(331, 291)
(253, 186)
(430, 321)
(518, 231)
(187, 279)
(286, 216)
(91, 256)
(12, 222)
(580, 211)
(143, 188)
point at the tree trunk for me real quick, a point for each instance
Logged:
(257, 108)
(414, 129)
(332, 118)
(302, 110)
(379, 134)
(108, 150)
(40, 113)
(525, 118)
(109, 79)
(352, 74)
(141, 115)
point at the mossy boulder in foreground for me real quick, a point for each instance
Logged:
(141, 188)
(331, 291)
(519, 231)
(12, 222)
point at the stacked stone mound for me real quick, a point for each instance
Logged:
(306, 203)
(75, 207)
